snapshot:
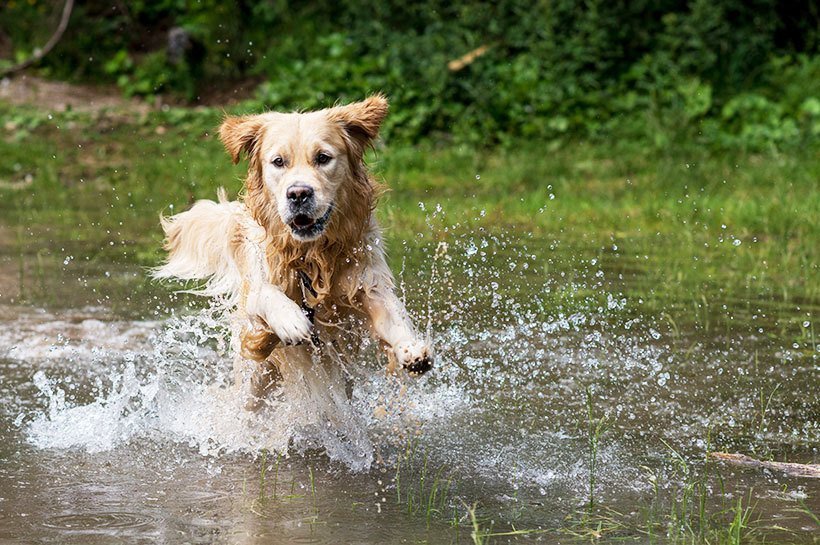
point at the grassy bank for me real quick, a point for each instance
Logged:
(680, 228)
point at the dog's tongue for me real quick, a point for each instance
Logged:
(302, 221)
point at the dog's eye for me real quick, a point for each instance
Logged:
(323, 159)
(278, 162)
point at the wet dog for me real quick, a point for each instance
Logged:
(300, 252)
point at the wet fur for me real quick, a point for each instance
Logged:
(250, 257)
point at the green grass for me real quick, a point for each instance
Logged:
(690, 502)
(681, 231)
(596, 427)
(421, 490)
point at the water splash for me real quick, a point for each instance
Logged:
(517, 350)
(172, 380)
(177, 386)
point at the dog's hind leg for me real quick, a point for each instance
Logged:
(255, 380)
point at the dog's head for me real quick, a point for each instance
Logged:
(300, 162)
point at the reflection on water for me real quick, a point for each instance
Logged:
(119, 427)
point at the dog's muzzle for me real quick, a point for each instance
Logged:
(305, 226)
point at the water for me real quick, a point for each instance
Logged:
(118, 419)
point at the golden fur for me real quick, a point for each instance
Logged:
(252, 256)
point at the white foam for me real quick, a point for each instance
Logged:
(177, 387)
(171, 381)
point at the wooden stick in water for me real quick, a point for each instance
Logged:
(811, 471)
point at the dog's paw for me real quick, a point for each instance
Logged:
(414, 356)
(280, 315)
(292, 329)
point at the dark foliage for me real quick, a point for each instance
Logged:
(734, 72)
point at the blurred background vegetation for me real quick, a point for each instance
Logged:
(726, 73)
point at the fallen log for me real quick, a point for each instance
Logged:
(810, 471)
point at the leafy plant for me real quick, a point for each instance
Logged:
(731, 73)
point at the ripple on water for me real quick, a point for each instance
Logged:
(100, 522)
(80, 336)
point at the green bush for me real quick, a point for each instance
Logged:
(734, 73)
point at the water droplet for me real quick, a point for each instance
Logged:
(471, 249)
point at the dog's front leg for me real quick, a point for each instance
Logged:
(269, 308)
(266, 304)
(390, 323)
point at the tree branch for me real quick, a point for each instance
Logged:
(40, 53)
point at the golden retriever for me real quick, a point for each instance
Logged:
(300, 253)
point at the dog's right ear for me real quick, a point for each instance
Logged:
(240, 133)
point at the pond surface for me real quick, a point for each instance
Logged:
(550, 394)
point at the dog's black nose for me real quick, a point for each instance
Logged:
(299, 194)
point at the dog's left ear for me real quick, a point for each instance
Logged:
(240, 134)
(361, 120)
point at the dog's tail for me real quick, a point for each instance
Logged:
(199, 244)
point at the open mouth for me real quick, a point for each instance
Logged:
(305, 226)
